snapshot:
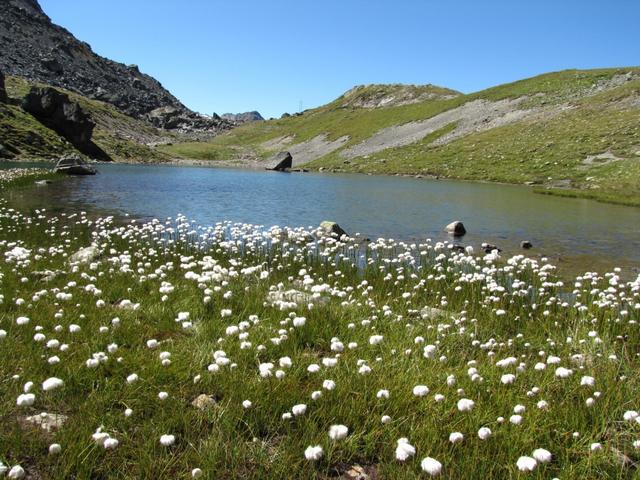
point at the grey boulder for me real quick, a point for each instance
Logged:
(456, 228)
(280, 162)
(74, 165)
(332, 229)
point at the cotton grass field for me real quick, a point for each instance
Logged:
(171, 350)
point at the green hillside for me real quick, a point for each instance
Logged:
(122, 137)
(575, 132)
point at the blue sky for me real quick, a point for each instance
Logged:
(270, 55)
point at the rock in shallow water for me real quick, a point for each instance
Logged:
(456, 228)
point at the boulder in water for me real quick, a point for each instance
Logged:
(74, 165)
(526, 244)
(456, 229)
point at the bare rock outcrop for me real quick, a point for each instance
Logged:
(3, 92)
(39, 50)
(55, 110)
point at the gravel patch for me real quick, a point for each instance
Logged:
(474, 116)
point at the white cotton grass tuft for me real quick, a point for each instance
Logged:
(456, 437)
(52, 383)
(484, 433)
(55, 448)
(196, 473)
(25, 400)
(431, 466)
(167, 440)
(299, 409)
(16, 472)
(420, 390)
(404, 450)
(562, 372)
(313, 453)
(382, 394)
(465, 405)
(526, 464)
(542, 455)
(338, 432)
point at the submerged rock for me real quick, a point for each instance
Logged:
(489, 247)
(526, 244)
(456, 228)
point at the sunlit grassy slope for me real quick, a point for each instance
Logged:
(121, 136)
(580, 113)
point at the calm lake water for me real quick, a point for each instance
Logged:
(583, 233)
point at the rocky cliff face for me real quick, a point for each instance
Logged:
(35, 48)
(240, 118)
(3, 92)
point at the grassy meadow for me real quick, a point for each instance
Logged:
(170, 350)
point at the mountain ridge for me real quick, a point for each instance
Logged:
(39, 50)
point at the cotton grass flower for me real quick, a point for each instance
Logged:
(404, 450)
(541, 455)
(526, 464)
(25, 400)
(562, 372)
(299, 409)
(431, 466)
(338, 432)
(420, 390)
(196, 473)
(456, 437)
(16, 472)
(52, 383)
(55, 448)
(313, 453)
(465, 405)
(167, 440)
(484, 433)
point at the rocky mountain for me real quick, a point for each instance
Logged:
(240, 118)
(35, 48)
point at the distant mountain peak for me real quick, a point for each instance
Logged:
(245, 117)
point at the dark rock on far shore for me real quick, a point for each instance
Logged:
(526, 244)
(280, 162)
